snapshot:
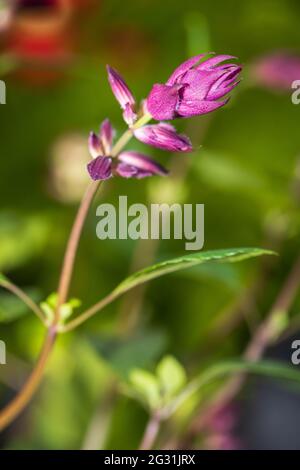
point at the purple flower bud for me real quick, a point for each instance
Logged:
(95, 146)
(100, 168)
(276, 71)
(136, 165)
(163, 136)
(119, 88)
(184, 67)
(101, 144)
(129, 115)
(193, 89)
(106, 136)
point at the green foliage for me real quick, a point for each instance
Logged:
(157, 390)
(3, 279)
(124, 354)
(245, 169)
(146, 387)
(168, 388)
(171, 375)
(231, 255)
(21, 238)
(66, 310)
(12, 308)
(198, 35)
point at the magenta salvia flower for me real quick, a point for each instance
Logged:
(163, 136)
(123, 95)
(136, 165)
(194, 88)
(127, 164)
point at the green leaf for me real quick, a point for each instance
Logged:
(66, 310)
(12, 308)
(221, 256)
(171, 375)
(147, 388)
(16, 250)
(3, 279)
(267, 368)
(139, 351)
(197, 30)
(227, 274)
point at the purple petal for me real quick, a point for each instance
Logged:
(106, 135)
(228, 77)
(195, 108)
(215, 95)
(163, 136)
(162, 102)
(184, 67)
(210, 63)
(100, 168)
(199, 83)
(224, 84)
(95, 146)
(126, 171)
(129, 115)
(119, 88)
(143, 164)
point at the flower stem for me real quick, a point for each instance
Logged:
(83, 317)
(71, 250)
(25, 298)
(16, 406)
(125, 138)
(151, 432)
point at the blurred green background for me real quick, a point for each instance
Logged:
(245, 169)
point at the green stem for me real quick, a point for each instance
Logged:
(16, 406)
(25, 298)
(89, 313)
(125, 138)
(72, 247)
(151, 432)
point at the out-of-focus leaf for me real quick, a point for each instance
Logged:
(171, 375)
(225, 173)
(147, 387)
(229, 255)
(12, 308)
(273, 369)
(21, 238)
(140, 351)
(2, 278)
(197, 30)
(226, 273)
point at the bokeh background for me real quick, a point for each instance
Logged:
(245, 169)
